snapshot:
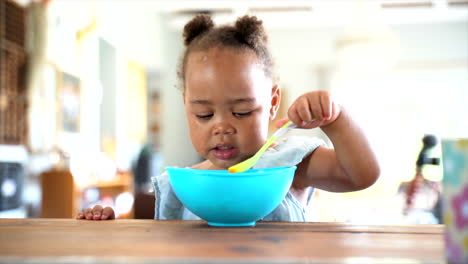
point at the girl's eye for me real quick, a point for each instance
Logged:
(241, 114)
(207, 116)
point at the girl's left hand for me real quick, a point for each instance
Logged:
(312, 109)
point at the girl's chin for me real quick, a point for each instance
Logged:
(221, 164)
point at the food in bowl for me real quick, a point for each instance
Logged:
(231, 199)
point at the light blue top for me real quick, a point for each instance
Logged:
(289, 152)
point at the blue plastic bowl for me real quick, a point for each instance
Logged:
(231, 199)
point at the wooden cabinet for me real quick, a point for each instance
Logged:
(59, 194)
(63, 198)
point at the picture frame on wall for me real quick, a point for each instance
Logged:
(69, 103)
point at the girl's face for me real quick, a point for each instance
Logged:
(229, 102)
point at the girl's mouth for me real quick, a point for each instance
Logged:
(224, 152)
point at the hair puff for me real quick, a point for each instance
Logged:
(251, 30)
(196, 27)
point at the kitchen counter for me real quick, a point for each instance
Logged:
(151, 241)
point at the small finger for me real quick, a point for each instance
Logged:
(294, 117)
(316, 109)
(108, 213)
(304, 112)
(80, 215)
(97, 212)
(327, 107)
(88, 213)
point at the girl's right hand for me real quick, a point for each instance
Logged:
(97, 213)
(314, 109)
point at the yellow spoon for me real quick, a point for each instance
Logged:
(250, 162)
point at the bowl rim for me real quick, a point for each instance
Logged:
(224, 173)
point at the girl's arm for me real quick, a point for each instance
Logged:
(351, 165)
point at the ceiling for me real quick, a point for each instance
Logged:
(295, 13)
(321, 13)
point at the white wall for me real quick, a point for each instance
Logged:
(428, 42)
(176, 146)
(299, 52)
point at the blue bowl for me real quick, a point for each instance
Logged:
(231, 199)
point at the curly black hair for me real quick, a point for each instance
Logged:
(247, 33)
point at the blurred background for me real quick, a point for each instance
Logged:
(89, 105)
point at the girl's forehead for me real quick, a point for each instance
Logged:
(226, 64)
(225, 71)
(223, 54)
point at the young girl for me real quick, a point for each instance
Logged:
(230, 96)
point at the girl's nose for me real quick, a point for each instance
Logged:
(223, 128)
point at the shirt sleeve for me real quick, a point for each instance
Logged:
(167, 205)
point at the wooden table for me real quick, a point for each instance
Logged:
(150, 241)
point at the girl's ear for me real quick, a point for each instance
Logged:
(275, 101)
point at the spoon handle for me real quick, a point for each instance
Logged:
(250, 162)
(283, 129)
(278, 133)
